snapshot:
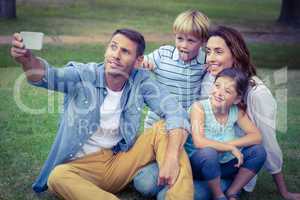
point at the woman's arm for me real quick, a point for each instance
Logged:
(262, 111)
(39, 72)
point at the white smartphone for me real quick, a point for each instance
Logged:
(32, 40)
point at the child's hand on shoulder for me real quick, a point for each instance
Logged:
(148, 65)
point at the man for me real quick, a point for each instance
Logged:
(96, 151)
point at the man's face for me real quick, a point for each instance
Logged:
(121, 56)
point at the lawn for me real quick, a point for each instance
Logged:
(25, 138)
(90, 17)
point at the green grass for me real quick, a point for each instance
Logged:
(279, 55)
(94, 17)
(25, 139)
(275, 56)
(59, 54)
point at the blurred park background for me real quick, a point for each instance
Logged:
(79, 29)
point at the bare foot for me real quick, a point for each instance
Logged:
(232, 196)
(291, 196)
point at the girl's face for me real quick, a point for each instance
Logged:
(218, 55)
(224, 93)
(187, 45)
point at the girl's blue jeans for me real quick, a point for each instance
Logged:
(205, 166)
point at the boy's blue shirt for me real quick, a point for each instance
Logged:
(85, 89)
(181, 79)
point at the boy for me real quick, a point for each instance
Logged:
(179, 69)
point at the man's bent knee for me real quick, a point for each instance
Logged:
(57, 176)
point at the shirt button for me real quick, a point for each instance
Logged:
(71, 155)
(80, 144)
(139, 109)
(91, 132)
(86, 102)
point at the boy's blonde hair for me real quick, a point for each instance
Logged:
(192, 22)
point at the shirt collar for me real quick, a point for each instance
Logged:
(175, 54)
(100, 80)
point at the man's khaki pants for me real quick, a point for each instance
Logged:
(99, 175)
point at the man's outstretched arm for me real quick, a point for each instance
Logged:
(32, 66)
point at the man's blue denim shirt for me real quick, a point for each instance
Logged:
(85, 89)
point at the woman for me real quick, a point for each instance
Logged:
(227, 48)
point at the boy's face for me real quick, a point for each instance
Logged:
(187, 45)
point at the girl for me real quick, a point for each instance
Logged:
(226, 48)
(214, 149)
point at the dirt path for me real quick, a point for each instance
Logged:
(68, 39)
(278, 35)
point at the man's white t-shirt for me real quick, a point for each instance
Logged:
(107, 135)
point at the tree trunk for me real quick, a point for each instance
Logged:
(8, 8)
(290, 12)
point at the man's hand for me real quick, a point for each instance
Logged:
(169, 172)
(18, 51)
(32, 67)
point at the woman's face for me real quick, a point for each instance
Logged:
(218, 55)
